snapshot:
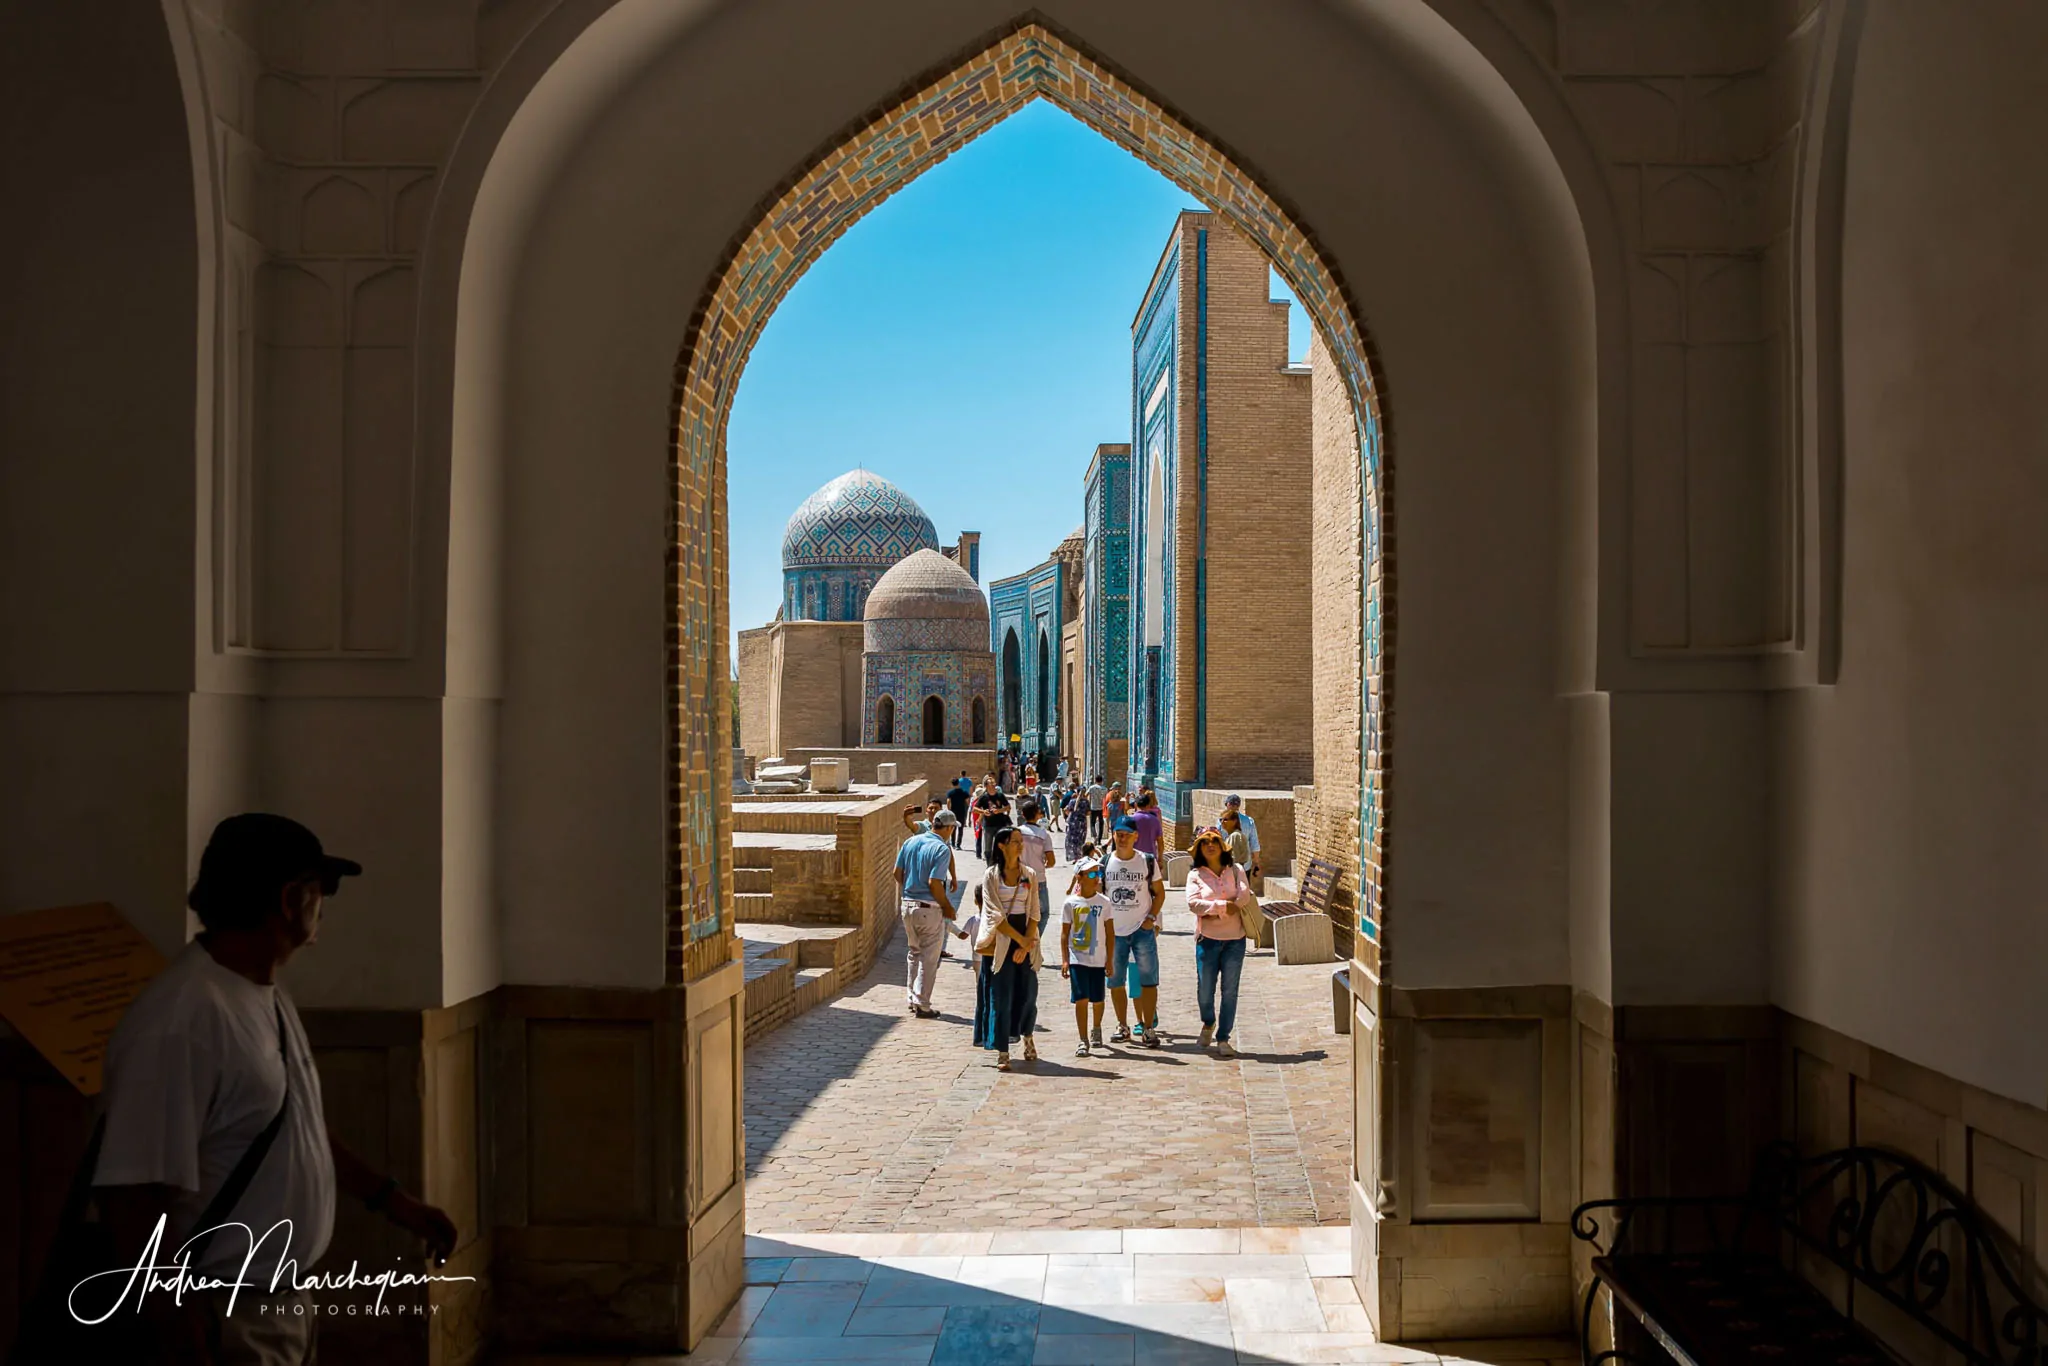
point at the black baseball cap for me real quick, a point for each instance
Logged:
(256, 855)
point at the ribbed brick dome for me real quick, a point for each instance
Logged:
(927, 586)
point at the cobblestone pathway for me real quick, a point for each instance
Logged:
(862, 1119)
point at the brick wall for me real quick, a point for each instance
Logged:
(813, 685)
(756, 673)
(1272, 810)
(869, 836)
(935, 766)
(1253, 670)
(1326, 810)
(1258, 722)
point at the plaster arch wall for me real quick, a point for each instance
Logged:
(103, 278)
(1476, 288)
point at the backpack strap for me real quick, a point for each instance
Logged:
(237, 1183)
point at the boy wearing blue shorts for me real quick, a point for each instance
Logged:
(1084, 948)
(1131, 881)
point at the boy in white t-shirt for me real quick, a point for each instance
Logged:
(1130, 879)
(1084, 948)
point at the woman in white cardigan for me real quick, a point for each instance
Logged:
(1006, 982)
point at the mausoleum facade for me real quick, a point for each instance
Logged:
(927, 675)
(800, 685)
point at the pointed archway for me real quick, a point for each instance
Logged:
(911, 134)
(1012, 690)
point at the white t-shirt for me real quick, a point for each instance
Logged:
(1090, 946)
(193, 1075)
(1037, 844)
(1128, 885)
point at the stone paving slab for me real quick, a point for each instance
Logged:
(850, 1298)
(862, 1119)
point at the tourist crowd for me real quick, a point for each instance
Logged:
(1106, 930)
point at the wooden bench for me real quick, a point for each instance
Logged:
(1708, 1279)
(1304, 941)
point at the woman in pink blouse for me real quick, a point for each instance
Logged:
(1218, 893)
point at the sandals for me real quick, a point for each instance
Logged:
(1031, 1050)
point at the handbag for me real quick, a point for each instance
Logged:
(997, 916)
(84, 1246)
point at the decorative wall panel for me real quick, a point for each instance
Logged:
(589, 1144)
(1107, 596)
(1476, 1114)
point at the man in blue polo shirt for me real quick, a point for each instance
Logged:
(925, 863)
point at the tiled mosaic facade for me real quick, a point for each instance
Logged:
(1155, 413)
(900, 142)
(1107, 597)
(895, 634)
(1028, 605)
(957, 678)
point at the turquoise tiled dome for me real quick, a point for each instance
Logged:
(858, 521)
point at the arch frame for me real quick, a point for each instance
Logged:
(565, 85)
(928, 120)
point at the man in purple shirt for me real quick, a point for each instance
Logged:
(1146, 814)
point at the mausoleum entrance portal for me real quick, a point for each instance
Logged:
(925, 125)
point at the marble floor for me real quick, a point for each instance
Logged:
(1016, 1297)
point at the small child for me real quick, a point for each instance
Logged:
(970, 926)
(1084, 948)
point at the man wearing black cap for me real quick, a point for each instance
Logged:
(213, 1112)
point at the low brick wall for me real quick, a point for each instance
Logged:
(935, 766)
(1272, 809)
(867, 830)
(869, 837)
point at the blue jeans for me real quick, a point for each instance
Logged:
(1218, 959)
(1136, 958)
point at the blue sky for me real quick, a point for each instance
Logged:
(969, 340)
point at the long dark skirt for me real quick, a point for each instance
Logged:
(1006, 1002)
